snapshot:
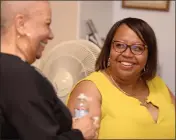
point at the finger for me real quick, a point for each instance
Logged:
(94, 129)
(93, 134)
(96, 119)
(89, 117)
(86, 116)
(97, 126)
(96, 135)
(74, 119)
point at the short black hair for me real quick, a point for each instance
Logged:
(147, 36)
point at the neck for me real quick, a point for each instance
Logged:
(129, 82)
(9, 47)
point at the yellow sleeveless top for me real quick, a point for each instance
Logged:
(124, 118)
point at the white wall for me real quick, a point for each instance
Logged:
(101, 14)
(163, 23)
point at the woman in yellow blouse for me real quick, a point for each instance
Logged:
(131, 100)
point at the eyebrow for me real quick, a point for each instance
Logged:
(118, 41)
(126, 43)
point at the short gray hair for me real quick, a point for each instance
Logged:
(9, 9)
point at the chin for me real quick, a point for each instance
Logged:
(126, 74)
(38, 56)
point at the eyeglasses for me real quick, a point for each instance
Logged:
(136, 49)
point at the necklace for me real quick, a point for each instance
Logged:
(143, 102)
(115, 83)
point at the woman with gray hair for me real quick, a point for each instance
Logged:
(29, 107)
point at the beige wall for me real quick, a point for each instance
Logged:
(64, 22)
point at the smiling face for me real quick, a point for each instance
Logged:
(36, 32)
(39, 29)
(127, 64)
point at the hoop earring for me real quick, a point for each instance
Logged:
(108, 64)
(144, 69)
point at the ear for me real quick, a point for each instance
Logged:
(19, 24)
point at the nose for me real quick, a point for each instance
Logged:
(127, 53)
(51, 35)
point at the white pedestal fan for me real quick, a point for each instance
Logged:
(67, 63)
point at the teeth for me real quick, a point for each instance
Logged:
(43, 44)
(127, 64)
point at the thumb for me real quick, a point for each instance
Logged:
(88, 116)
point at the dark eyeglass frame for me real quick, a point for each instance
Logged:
(128, 46)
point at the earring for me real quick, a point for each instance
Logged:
(144, 69)
(108, 62)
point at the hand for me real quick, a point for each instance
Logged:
(97, 125)
(86, 126)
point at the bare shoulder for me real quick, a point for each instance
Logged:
(88, 88)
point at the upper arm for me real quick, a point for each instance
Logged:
(91, 91)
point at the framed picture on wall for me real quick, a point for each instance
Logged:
(148, 5)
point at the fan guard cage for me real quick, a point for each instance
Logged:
(67, 63)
